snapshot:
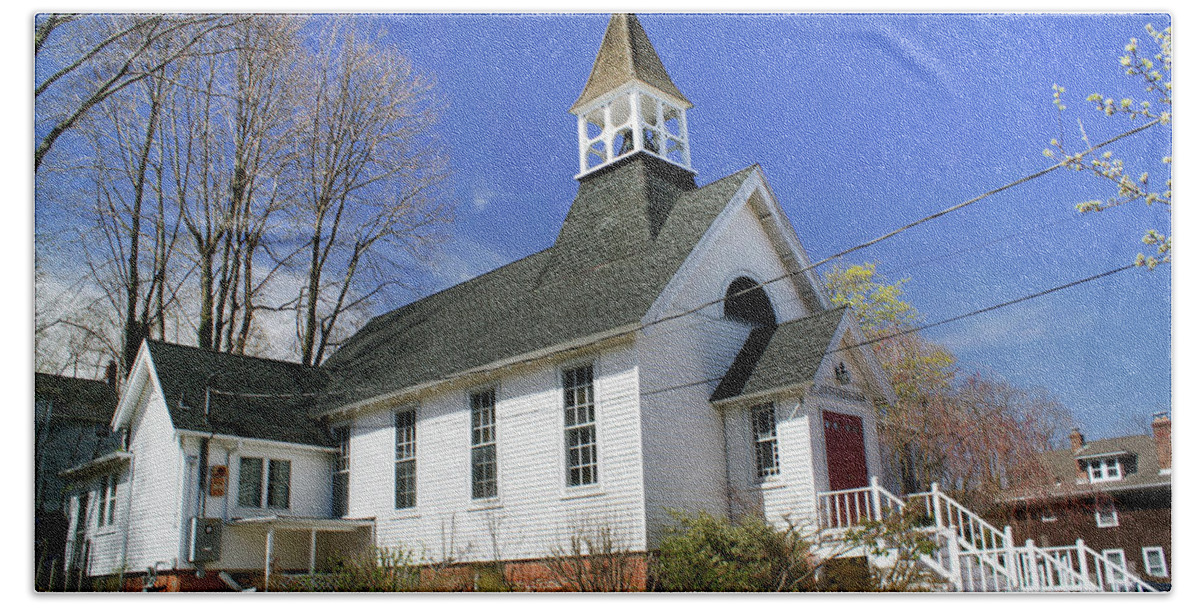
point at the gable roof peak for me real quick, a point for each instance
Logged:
(626, 55)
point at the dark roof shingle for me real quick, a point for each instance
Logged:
(76, 398)
(249, 397)
(780, 357)
(592, 280)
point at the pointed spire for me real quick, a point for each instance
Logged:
(627, 55)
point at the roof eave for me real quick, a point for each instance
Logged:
(588, 343)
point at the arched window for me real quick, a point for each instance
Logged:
(752, 306)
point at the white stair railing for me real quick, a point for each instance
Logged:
(1099, 572)
(974, 554)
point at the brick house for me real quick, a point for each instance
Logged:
(1114, 494)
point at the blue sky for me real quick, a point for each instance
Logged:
(861, 124)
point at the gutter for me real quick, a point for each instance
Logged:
(267, 442)
(1085, 490)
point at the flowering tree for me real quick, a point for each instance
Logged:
(977, 435)
(1154, 75)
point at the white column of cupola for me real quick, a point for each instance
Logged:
(631, 119)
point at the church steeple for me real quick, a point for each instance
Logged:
(629, 103)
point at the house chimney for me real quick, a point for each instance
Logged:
(110, 375)
(1162, 439)
(1076, 439)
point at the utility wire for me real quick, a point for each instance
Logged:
(911, 330)
(823, 261)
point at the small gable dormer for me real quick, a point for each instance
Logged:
(630, 104)
(1113, 466)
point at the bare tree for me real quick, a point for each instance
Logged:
(80, 67)
(365, 175)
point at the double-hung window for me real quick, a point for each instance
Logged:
(106, 514)
(1155, 561)
(406, 459)
(1106, 512)
(275, 477)
(766, 449)
(483, 444)
(1104, 469)
(579, 421)
(1116, 559)
(341, 473)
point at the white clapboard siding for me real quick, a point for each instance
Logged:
(535, 511)
(786, 498)
(154, 517)
(311, 485)
(684, 436)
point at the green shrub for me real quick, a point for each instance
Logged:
(704, 553)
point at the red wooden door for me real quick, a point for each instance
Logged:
(845, 452)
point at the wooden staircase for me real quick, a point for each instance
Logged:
(972, 554)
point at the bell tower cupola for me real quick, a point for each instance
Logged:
(629, 104)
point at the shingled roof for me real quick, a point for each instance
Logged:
(249, 397)
(76, 398)
(1061, 464)
(626, 55)
(613, 257)
(779, 357)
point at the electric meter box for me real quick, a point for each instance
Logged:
(206, 540)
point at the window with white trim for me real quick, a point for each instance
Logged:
(1106, 513)
(483, 444)
(1155, 560)
(766, 449)
(579, 423)
(1104, 469)
(106, 514)
(270, 485)
(1116, 557)
(341, 472)
(406, 459)
(279, 484)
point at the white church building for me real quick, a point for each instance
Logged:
(670, 352)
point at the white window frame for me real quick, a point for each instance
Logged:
(405, 456)
(341, 469)
(1049, 516)
(1106, 507)
(571, 424)
(265, 483)
(1162, 558)
(482, 437)
(106, 504)
(1105, 469)
(1115, 576)
(765, 439)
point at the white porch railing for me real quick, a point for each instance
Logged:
(973, 554)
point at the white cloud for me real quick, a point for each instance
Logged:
(462, 259)
(1008, 328)
(482, 197)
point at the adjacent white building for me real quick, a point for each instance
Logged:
(670, 352)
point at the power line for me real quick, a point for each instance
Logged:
(823, 261)
(911, 330)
